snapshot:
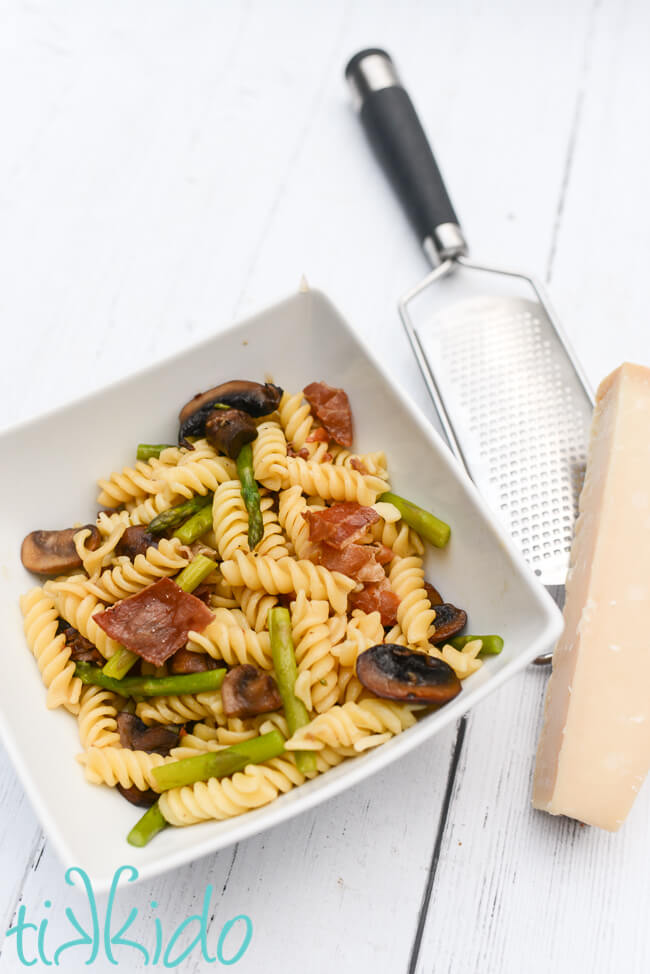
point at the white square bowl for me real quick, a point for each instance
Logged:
(51, 468)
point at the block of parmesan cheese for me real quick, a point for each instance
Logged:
(594, 750)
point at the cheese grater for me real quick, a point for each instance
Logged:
(511, 397)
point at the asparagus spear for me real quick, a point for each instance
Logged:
(219, 764)
(492, 645)
(284, 664)
(148, 450)
(196, 572)
(151, 823)
(195, 526)
(151, 686)
(177, 515)
(427, 525)
(251, 495)
(190, 578)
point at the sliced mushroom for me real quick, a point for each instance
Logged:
(449, 622)
(247, 691)
(135, 735)
(252, 397)
(229, 430)
(53, 552)
(433, 595)
(81, 649)
(144, 799)
(185, 661)
(397, 673)
(135, 541)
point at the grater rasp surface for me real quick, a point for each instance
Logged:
(520, 414)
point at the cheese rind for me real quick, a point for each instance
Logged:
(594, 750)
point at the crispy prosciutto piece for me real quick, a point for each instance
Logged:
(341, 524)
(155, 622)
(331, 407)
(302, 452)
(377, 597)
(358, 561)
(319, 435)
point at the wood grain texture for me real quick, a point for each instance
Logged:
(167, 167)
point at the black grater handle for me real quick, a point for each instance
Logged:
(398, 139)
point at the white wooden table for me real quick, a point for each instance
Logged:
(168, 166)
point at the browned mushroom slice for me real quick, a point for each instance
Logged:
(229, 430)
(136, 736)
(135, 541)
(53, 552)
(144, 799)
(449, 622)
(247, 691)
(433, 595)
(81, 649)
(185, 661)
(397, 673)
(252, 397)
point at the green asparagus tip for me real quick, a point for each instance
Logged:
(148, 450)
(195, 526)
(427, 525)
(147, 827)
(219, 764)
(119, 664)
(174, 516)
(196, 572)
(492, 645)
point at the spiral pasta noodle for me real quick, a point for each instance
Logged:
(373, 463)
(111, 528)
(362, 631)
(317, 666)
(225, 798)
(52, 655)
(256, 605)
(414, 613)
(227, 639)
(270, 455)
(286, 575)
(145, 510)
(333, 483)
(77, 608)
(397, 536)
(292, 506)
(354, 727)
(127, 577)
(176, 709)
(131, 483)
(97, 718)
(198, 475)
(120, 766)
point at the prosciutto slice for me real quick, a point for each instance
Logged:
(155, 622)
(341, 524)
(377, 597)
(331, 407)
(357, 561)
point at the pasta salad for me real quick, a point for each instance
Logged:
(248, 609)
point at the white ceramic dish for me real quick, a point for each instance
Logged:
(54, 462)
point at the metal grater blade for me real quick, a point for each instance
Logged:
(521, 417)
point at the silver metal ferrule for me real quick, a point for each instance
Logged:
(446, 243)
(372, 73)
